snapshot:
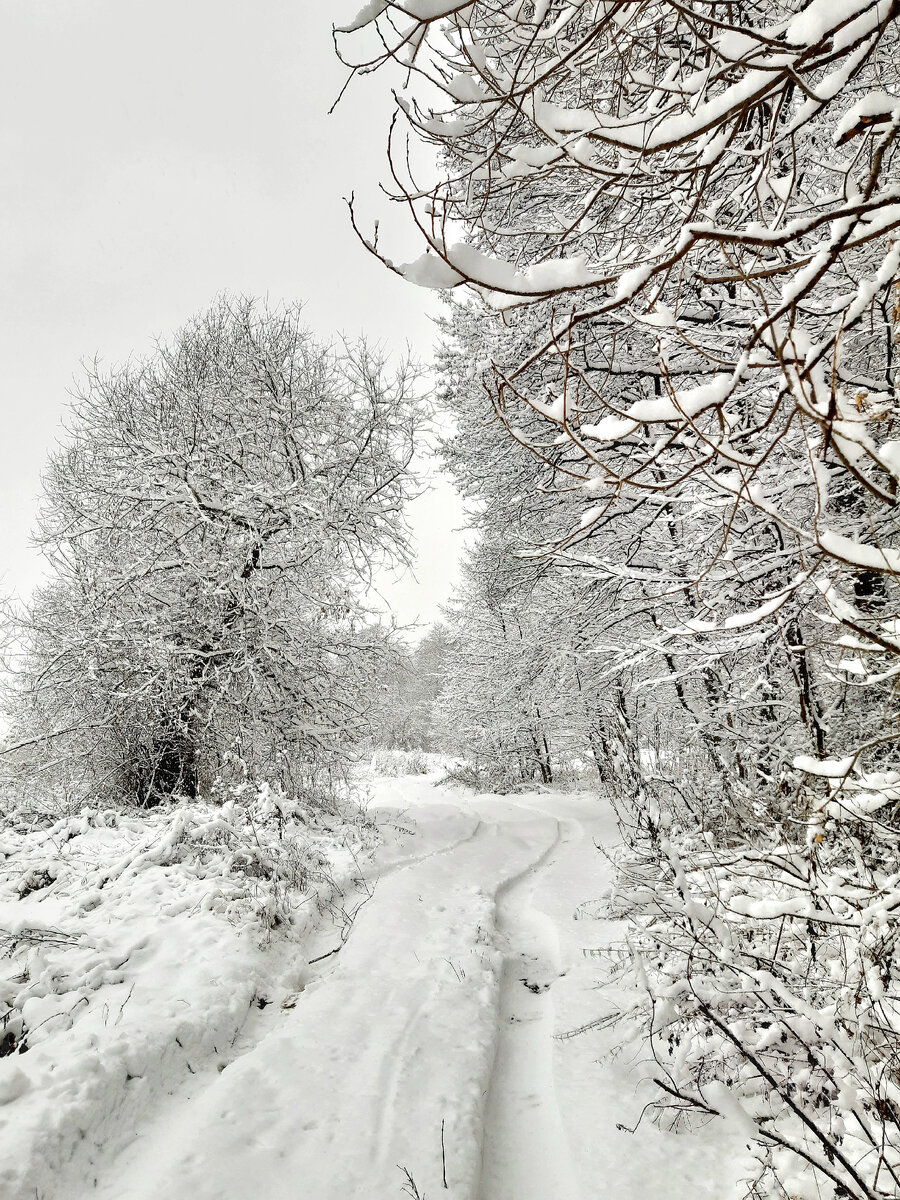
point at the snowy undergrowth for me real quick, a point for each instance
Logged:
(134, 947)
(405, 762)
(761, 977)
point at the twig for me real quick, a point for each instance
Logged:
(345, 933)
(124, 1002)
(410, 1188)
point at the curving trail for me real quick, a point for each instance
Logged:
(525, 1151)
(430, 1044)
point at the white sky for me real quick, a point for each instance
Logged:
(155, 154)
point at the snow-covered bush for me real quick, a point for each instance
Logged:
(768, 984)
(403, 762)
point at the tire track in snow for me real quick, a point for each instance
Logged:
(386, 869)
(525, 1153)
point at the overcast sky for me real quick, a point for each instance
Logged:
(155, 154)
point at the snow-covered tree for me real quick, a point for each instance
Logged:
(678, 228)
(697, 213)
(405, 710)
(210, 526)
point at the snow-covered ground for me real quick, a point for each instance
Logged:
(182, 1056)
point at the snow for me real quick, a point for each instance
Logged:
(723, 1100)
(455, 1032)
(738, 620)
(682, 405)
(889, 454)
(820, 17)
(858, 554)
(463, 262)
(13, 1081)
(662, 317)
(139, 964)
(420, 10)
(430, 270)
(873, 104)
(632, 281)
(868, 288)
(828, 768)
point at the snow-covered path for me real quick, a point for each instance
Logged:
(429, 1044)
